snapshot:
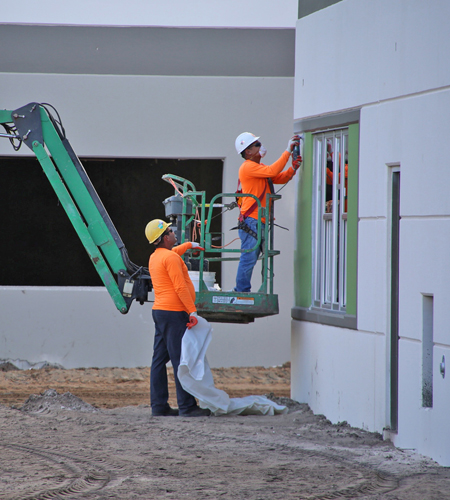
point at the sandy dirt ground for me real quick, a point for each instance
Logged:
(89, 434)
(118, 387)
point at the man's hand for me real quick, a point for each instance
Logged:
(294, 141)
(192, 320)
(196, 245)
(297, 163)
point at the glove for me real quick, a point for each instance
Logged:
(192, 320)
(196, 245)
(296, 163)
(292, 142)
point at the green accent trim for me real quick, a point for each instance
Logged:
(352, 219)
(5, 116)
(303, 251)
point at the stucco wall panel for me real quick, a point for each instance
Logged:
(373, 49)
(416, 146)
(372, 275)
(425, 429)
(62, 325)
(335, 373)
(378, 149)
(425, 158)
(424, 250)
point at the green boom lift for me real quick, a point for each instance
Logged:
(36, 127)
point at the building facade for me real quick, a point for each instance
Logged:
(370, 341)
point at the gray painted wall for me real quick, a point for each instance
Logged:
(112, 50)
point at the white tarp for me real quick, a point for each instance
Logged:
(196, 378)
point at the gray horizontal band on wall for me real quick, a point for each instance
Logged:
(324, 317)
(323, 122)
(147, 51)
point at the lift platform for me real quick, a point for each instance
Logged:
(189, 210)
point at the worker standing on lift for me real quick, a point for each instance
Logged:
(173, 310)
(257, 179)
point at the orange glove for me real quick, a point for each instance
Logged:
(192, 320)
(296, 163)
(196, 246)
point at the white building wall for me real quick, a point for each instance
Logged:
(388, 59)
(199, 13)
(354, 53)
(424, 236)
(337, 372)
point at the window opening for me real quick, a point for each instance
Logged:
(49, 252)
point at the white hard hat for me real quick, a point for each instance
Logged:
(244, 140)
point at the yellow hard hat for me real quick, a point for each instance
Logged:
(154, 229)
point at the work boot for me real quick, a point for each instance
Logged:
(168, 412)
(196, 412)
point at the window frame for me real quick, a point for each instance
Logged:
(304, 308)
(329, 229)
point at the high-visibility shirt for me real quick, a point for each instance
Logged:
(253, 177)
(174, 290)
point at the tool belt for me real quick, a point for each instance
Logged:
(242, 225)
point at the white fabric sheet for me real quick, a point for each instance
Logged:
(196, 378)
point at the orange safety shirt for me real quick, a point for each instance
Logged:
(253, 177)
(174, 290)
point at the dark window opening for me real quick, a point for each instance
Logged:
(39, 245)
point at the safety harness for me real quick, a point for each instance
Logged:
(242, 216)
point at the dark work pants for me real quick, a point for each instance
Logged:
(169, 330)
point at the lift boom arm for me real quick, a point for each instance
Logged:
(34, 126)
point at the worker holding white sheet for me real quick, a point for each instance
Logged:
(173, 310)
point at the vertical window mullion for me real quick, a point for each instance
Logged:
(324, 229)
(343, 218)
(330, 232)
(339, 209)
(335, 248)
(318, 236)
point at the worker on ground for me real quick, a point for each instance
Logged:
(173, 310)
(257, 179)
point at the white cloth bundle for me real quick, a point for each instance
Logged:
(196, 378)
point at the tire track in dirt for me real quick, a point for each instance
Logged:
(39, 474)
